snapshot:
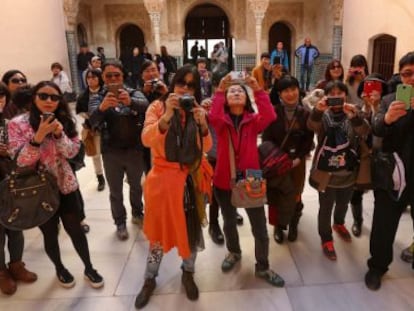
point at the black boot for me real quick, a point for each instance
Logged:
(357, 213)
(293, 226)
(190, 286)
(145, 293)
(278, 234)
(216, 233)
(101, 182)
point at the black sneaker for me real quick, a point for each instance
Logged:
(239, 219)
(373, 280)
(66, 279)
(94, 278)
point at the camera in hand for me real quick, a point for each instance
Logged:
(186, 102)
(335, 101)
(156, 84)
(50, 116)
(357, 72)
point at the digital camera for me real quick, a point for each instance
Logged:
(186, 102)
(156, 83)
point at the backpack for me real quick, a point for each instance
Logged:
(181, 142)
(337, 152)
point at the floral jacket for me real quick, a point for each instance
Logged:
(53, 153)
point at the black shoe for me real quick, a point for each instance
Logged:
(356, 229)
(145, 293)
(216, 234)
(373, 280)
(65, 278)
(101, 182)
(293, 233)
(278, 235)
(94, 278)
(239, 219)
(190, 286)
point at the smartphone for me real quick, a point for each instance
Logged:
(50, 116)
(238, 75)
(114, 88)
(335, 101)
(370, 86)
(277, 60)
(404, 94)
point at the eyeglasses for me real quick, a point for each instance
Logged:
(111, 75)
(407, 74)
(189, 85)
(18, 80)
(45, 96)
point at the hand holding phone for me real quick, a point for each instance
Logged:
(49, 116)
(404, 94)
(335, 101)
(114, 88)
(238, 75)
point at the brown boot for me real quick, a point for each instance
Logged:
(189, 285)
(7, 285)
(20, 273)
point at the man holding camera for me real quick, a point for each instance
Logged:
(307, 54)
(118, 111)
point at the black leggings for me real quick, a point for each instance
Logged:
(68, 212)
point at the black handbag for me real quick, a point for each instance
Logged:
(29, 197)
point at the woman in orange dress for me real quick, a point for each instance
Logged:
(171, 216)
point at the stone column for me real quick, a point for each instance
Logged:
(71, 8)
(259, 8)
(337, 7)
(154, 8)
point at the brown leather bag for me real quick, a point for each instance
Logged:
(88, 139)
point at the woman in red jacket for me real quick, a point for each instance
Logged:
(232, 116)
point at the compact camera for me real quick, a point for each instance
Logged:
(156, 83)
(335, 101)
(186, 102)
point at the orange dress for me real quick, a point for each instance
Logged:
(165, 221)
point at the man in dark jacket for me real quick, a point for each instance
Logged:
(307, 54)
(393, 183)
(119, 113)
(83, 59)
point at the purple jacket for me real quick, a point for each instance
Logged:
(244, 138)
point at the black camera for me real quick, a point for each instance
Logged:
(335, 101)
(156, 83)
(186, 102)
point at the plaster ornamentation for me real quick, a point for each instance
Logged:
(154, 6)
(337, 7)
(291, 13)
(258, 5)
(71, 8)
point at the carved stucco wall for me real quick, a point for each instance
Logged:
(85, 18)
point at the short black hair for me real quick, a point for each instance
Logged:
(113, 63)
(407, 59)
(336, 84)
(286, 82)
(265, 55)
(201, 60)
(56, 65)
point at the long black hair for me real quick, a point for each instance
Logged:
(248, 107)
(62, 112)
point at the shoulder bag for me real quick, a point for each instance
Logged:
(29, 197)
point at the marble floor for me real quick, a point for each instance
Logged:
(312, 281)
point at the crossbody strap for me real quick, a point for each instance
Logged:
(232, 159)
(288, 132)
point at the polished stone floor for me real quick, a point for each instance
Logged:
(312, 281)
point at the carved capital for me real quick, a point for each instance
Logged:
(71, 9)
(154, 6)
(258, 6)
(337, 9)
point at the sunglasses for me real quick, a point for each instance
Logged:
(45, 96)
(336, 67)
(17, 80)
(189, 85)
(407, 74)
(111, 75)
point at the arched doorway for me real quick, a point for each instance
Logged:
(281, 32)
(383, 56)
(208, 24)
(129, 36)
(81, 34)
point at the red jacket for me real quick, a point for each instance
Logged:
(244, 138)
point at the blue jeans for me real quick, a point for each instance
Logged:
(308, 70)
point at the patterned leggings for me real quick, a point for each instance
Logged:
(154, 261)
